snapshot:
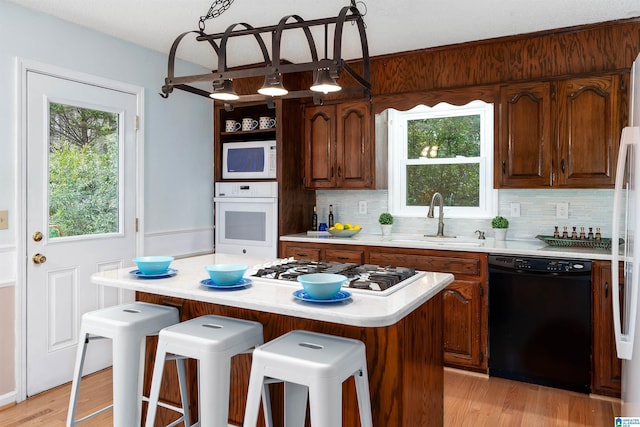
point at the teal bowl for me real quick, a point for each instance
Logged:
(322, 285)
(151, 265)
(226, 274)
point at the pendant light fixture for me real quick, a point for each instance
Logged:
(325, 83)
(325, 71)
(273, 86)
(223, 91)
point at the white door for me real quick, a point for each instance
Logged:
(81, 206)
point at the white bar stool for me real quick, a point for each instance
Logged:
(312, 363)
(213, 341)
(127, 326)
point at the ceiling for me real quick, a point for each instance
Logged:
(392, 25)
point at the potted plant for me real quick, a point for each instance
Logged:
(386, 221)
(500, 225)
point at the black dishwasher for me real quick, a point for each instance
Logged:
(540, 321)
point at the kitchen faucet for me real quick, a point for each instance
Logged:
(440, 232)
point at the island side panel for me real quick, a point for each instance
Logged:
(405, 364)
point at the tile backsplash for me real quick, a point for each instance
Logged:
(587, 208)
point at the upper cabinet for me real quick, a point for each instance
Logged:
(559, 134)
(340, 149)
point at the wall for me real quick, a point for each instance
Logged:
(178, 177)
(587, 208)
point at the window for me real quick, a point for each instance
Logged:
(446, 149)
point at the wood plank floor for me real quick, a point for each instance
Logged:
(470, 400)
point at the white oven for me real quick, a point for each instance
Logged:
(246, 218)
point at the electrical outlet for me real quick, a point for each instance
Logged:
(562, 210)
(4, 220)
(362, 207)
(515, 210)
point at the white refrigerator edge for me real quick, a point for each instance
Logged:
(626, 224)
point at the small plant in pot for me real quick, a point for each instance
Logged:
(386, 221)
(500, 225)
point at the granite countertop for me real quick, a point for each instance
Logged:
(265, 295)
(525, 247)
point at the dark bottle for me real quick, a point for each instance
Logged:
(330, 215)
(314, 219)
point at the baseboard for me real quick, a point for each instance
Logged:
(465, 372)
(7, 400)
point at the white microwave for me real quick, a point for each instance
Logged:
(249, 160)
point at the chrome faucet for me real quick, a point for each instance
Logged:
(440, 232)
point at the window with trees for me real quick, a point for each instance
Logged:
(446, 149)
(84, 173)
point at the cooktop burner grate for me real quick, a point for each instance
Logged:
(368, 277)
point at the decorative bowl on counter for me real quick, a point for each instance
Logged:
(322, 285)
(151, 265)
(226, 274)
(345, 233)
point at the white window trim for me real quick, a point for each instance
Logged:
(397, 136)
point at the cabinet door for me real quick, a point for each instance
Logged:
(320, 137)
(525, 143)
(462, 324)
(606, 365)
(588, 130)
(354, 146)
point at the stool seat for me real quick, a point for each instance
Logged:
(127, 325)
(213, 341)
(314, 364)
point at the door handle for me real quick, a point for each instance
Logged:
(37, 236)
(39, 259)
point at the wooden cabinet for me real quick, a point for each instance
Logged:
(294, 201)
(606, 374)
(560, 134)
(339, 148)
(465, 299)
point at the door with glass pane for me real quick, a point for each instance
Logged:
(81, 181)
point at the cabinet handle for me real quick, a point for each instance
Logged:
(606, 289)
(339, 172)
(331, 171)
(562, 165)
(504, 167)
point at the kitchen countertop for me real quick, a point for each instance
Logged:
(267, 296)
(531, 247)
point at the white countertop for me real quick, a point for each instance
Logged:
(263, 295)
(532, 247)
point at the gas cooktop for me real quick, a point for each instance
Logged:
(367, 278)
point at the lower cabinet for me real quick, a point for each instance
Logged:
(465, 299)
(606, 373)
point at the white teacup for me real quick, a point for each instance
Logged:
(249, 124)
(232, 126)
(267, 122)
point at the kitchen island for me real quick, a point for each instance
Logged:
(402, 332)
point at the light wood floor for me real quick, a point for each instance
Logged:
(470, 400)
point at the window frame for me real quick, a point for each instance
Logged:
(398, 161)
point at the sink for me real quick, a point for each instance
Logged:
(440, 241)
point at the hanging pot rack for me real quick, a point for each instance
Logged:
(274, 66)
